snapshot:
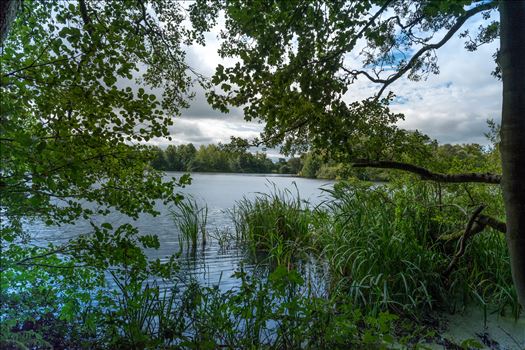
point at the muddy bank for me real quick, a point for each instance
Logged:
(490, 330)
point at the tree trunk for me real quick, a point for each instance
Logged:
(512, 63)
(8, 11)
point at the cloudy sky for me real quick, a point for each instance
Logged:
(451, 107)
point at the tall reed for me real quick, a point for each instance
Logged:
(275, 224)
(191, 220)
(383, 247)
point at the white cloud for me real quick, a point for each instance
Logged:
(204, 131)
(454, 105)
(451, 106)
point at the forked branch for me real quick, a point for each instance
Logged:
(415, 60)
(469, 232)
(476, 224)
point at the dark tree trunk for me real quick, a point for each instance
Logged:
(8, 11)
(512, 63)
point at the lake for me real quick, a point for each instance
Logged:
(213, 264)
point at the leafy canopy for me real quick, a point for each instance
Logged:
(297, 61)
(83, 86)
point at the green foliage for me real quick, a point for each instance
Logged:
(311, 166)
(293, 72)
(382, 248)
(21, 340)
(80, 86)
(180, 158)
(218, 158)
(69, 113)
(191, 221)
(277, 224)
(393, 267)
(231, 159)
(317, 166)
(384, 244)
(78, 98)
(278, 314)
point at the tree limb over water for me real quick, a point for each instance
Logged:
(426, 174)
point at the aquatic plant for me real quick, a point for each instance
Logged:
(385, 246)
(191, 220)
(384, 249)
(278, 314)
(275, 224)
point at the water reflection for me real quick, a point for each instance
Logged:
(215, 263)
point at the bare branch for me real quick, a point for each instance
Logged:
(278, 136)
(34, 65)
(414, 60)
(469, 232)
(30, 261)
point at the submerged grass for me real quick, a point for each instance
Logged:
(275, 224)
(191, 220)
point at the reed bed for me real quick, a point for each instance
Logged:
(276, 225)
(382, 245)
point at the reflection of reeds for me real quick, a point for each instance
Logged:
(191, 221)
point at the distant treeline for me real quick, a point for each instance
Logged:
(218, 158)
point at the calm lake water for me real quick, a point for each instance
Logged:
(212, 264)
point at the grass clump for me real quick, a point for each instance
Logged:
(275, 224)
(384, 249)
(384, 245)
(191, 220)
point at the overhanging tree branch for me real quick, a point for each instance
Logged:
(415, 59)
(426, 174)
